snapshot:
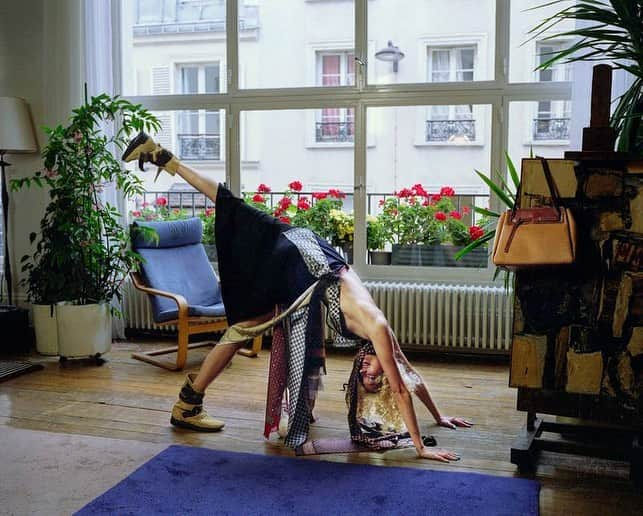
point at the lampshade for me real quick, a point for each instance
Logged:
(16, 129)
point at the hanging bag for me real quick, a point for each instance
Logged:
(533, 237)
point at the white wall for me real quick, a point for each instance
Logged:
(40, 60)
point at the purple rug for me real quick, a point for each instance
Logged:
(187, 480)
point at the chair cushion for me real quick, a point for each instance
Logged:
(180, 269)
(204, 311)
(172, 233)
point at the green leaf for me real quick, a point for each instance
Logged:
(496, 189)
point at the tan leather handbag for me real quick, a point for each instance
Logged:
(533, 237)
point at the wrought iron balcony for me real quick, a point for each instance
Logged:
(199, 146)
(328, 132)
(209, 17)
(551, 128)
(450, 130)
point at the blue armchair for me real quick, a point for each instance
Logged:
(183, 288)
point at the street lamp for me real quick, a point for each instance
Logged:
(391, 54)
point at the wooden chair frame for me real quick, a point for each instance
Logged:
(187, 326)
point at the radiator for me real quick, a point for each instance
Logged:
(446, 317)
(423, 316)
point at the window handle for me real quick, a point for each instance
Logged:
(360, 61)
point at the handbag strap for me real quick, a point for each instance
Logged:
(553, 190)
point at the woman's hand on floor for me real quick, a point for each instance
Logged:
(454, 422)
(439, 455)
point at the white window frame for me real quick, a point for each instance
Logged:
(496, 91)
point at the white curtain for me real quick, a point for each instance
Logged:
(99, 72)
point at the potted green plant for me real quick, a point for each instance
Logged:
(377, 236)
(612, 32)
(343, 230)
(207, 216)
(82, 241)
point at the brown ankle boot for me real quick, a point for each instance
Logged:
(188, 411)
(144, 149)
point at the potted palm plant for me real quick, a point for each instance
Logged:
(82, 253)
(609, 30)
(377, 236)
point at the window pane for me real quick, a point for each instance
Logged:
(301, 44)
(422, 185)
(441, 40)
(280, 147)
(194, 137)
(525, 54)
(539, 129)
(159, 38)
(212, 79)
(189, 80)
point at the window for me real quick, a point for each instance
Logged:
(199, 135)
(335, 125)
(454, 124)
(551, 121)
(309, 93)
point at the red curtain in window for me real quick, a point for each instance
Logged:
(331, 76)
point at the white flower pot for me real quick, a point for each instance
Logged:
(83, 330)
(46, 328)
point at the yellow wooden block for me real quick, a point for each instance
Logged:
(584, 372)
(528, 361)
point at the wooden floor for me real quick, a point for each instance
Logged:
(131, 400)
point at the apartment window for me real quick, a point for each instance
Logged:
(552, 117)
(198, 134)
(335, 125)
(452, 124)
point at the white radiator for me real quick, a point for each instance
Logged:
(457, 317)
(423, 316)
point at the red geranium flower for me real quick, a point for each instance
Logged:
(404, 192)
(320, 195)
(436, 197)
(382, 201)
(262, 188)
(285, 202)
(447, 191)
(278, 212)
(440, 215)
(475, 232)
(161, 201)
(209, 212)
(258, 198)
(303, 204)
(418, 189)
(295, 186)
(136, 213)
(455, 215)
(426, 202)
(285, 219)
(337, 194)
(465, 210)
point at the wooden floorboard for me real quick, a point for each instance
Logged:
(131, 400)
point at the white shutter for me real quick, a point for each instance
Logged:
(161, 86)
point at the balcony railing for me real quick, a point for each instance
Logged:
(328, 132)
(193, 202)
(188, 20)
(199, 146)
(551, 128)
(450, 130)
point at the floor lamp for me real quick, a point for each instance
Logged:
(16, 137)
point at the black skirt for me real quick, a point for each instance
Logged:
(259, 267)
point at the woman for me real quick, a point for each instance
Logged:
(277, 276)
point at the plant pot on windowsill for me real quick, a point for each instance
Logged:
(45, 326)
(380, 257)
(476, 258)
(420, 255)
(347, 249)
